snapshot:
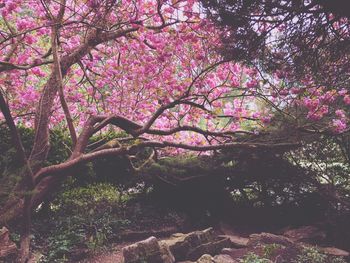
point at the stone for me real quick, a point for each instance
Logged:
(212, 248)
(193, 245)
(181, 244)
(332, 251)
(167, 256)
(237, 241)
(235, 253)
(224, 259)
(7, 247)
(148, 250)
(308, 234)
(205, 259)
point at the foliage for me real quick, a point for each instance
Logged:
(270, 249)
(253, 258)
(326, 162)
(115, 170)
(311, 255)
(247, 27)
(9, 170)
(79, 199)
(59, 149)
(80, 218)
(337, 260)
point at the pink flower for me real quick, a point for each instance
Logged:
(347, 99)
(38, 72)
(228, 110)
(251, 84)
(340, 114)
(266, 119)
(342, 92)
(339, 126)
(295, 90)
(314, 116)
(311, 104)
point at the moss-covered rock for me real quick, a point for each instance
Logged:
(148, 250)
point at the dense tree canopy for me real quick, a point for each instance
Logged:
(303, 44)
(295, 38)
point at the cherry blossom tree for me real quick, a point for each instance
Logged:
(148, 68)
(304, 44)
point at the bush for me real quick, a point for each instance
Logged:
(114, 170)
(80, 218)
(9, 170)
(313, 255)
(253, 258)
(310, 255)
(270, 249)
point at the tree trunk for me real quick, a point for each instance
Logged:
(28, 180)
(13, 207)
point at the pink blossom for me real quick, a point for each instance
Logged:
(342, 92)
(347, 99)
(38, 72)
(296, 90)
(339, 126)
(340, 114)
(266, 119)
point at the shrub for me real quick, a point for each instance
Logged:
(83, 217)
(270, 249)
(310, 255)
(253, 258)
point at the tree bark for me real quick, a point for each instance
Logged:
(28, 181)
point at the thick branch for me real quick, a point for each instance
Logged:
(197, 130)
(59, 78)
(6, 66)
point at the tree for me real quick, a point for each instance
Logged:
(87, 65)
(298, 39)
(304, 45)
(148, 68)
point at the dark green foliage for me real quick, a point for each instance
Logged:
(84, 220)
(291, 54)
(80, 219)
(112, 169)
(59, 147)
(9, 169)
(97, 203)
(253, 258)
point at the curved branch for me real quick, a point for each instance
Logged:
(203, 148)
(70, 164)
(197, 130)
(5, 66)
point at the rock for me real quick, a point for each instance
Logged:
(205, 259)
(212, 248)
(308, 234)
(224, 259)
(237, 241)
(193, 245)
(235, 253)
(332, 251)
(148, 250)
(132, 235)
(167, 256)
(267, 238)
(180, 244)
(7, 247)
